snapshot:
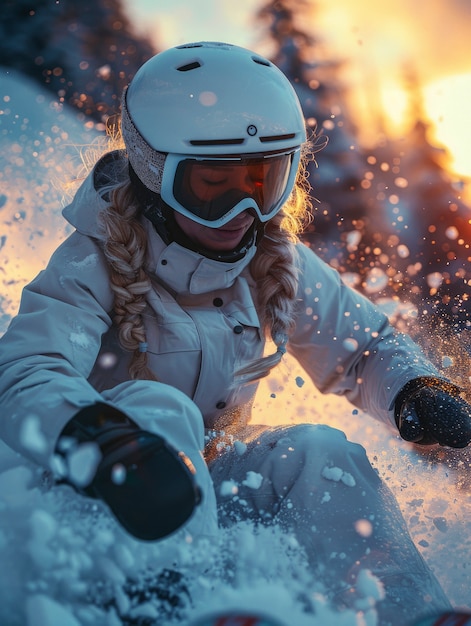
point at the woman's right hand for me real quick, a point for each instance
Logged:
(148, 485)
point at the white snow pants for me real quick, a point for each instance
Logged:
(321, 487)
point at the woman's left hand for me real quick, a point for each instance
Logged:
(430, 411)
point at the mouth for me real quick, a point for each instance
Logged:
(231, 233)
(234, 228)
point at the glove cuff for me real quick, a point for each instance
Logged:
(101, 423)
(415, 385)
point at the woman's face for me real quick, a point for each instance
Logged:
(209, 182)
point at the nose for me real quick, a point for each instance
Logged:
(240, 217)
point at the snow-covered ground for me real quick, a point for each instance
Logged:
(55, 546)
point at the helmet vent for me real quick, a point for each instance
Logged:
(185, 46)
(277, 137)
(189, 66)
(261, 61)
(216, 142)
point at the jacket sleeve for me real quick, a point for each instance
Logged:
(347, 346)
(51, 346)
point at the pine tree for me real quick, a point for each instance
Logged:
(427, 247)
(85, 51)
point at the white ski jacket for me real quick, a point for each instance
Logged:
(61, 351)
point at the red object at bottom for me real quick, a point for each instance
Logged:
(449, 618)
(236, 619)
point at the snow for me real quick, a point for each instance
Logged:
(240, 447)
(376, 280)
(337, 474)
(31, 436)
(228, 488)
(79, 339)
(89, 261)
(42, 611)
(253, 480)
(58, 550)
(83, 464)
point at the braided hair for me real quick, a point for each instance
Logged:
(125, 247)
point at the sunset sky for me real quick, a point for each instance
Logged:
(377, 37)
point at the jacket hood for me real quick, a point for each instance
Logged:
(91, 197)
(181, 270)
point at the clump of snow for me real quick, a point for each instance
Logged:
(240, 447)
(228, 488)
(31, 437)
(42, 611)
(375, 281)
(82, 463)
(326, 497)
(253, 480)
(369, 590)
(89, 261)
(338, 475)
(368, 586)
(434, 280)
(80, 339)
(353, 239)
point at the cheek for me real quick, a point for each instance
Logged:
(184, 223)
(191, 229)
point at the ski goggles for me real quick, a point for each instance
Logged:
(212, 191)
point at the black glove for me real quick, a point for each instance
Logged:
(148, 485)
(430, 411)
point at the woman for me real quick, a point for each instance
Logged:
(150, 322)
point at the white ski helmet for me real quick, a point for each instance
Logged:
(216, 101)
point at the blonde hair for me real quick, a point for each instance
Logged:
(273, 267)
(125, 247)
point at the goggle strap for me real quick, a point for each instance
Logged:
(145, 161)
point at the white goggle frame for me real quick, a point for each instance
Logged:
(223, 214)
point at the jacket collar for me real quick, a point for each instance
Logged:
(186, 272)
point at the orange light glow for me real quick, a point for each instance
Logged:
(385, 47)
(447, 102)
(446, 107)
